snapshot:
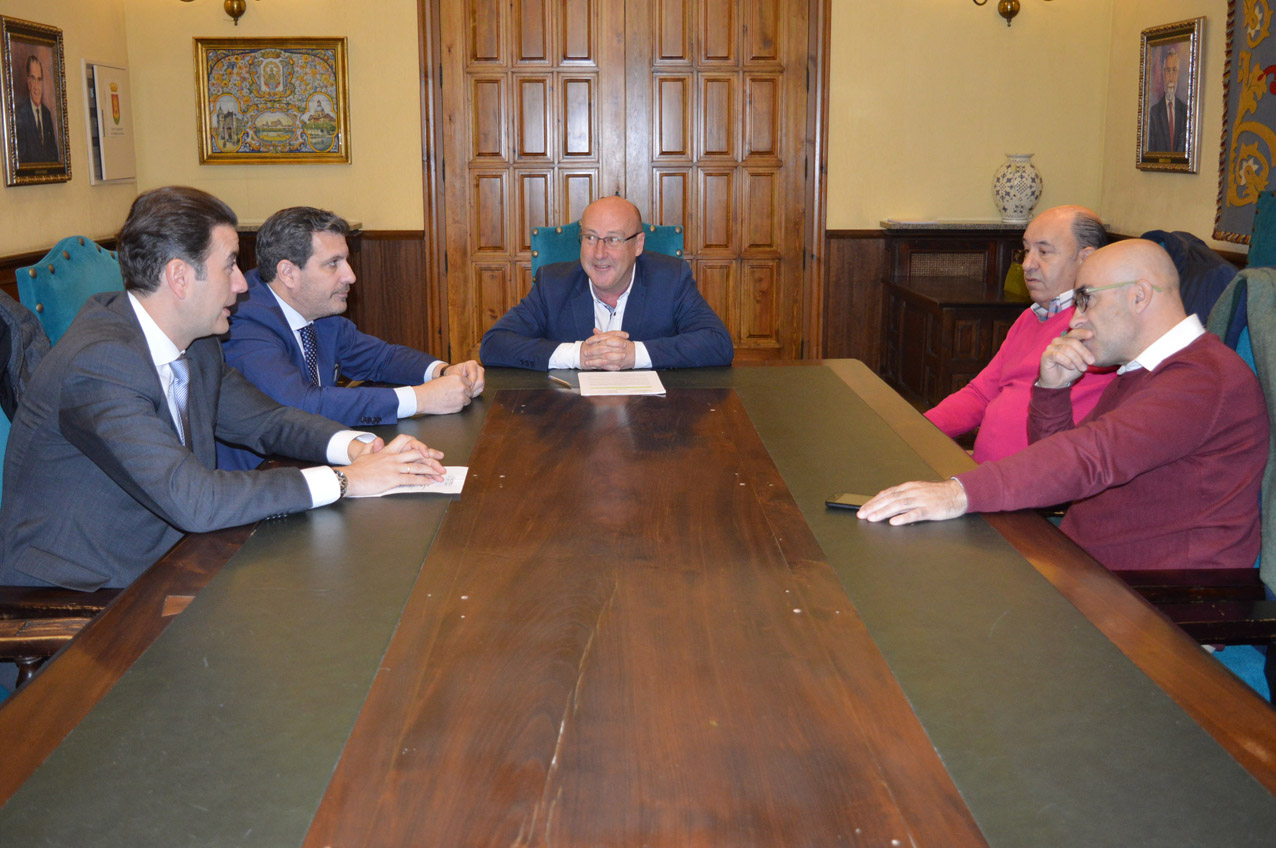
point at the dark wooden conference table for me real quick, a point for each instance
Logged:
(640, 625)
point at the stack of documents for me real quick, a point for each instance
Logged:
(593, 383)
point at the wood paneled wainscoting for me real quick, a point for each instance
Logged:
(855, 268)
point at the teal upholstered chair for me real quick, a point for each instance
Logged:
(562, 244)
(58, 285)
(1262, 241)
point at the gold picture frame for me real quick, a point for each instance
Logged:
(33, 67)
(1170, 97)
(272, 101)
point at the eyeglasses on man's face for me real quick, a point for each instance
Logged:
(610, 242)
(1082, 296)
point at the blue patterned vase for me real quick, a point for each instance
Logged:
(1016, 188)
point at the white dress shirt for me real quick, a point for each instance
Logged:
(567, 354)
(324, 487)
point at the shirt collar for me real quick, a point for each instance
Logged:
(162, 349)
(624, 296)
(294, 318)
(1178, 337)
(1054, 307)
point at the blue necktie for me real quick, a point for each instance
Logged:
(180, 369)
(310, 348)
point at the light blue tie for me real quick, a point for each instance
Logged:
(180, 369)
(310, 348)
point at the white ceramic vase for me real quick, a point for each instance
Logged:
(1016, 188)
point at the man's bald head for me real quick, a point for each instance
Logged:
(1131, 299)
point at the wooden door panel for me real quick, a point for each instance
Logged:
(716, 32)
(673, 30)
(762, 33)
(716, 213)
(672, 136)
(532, 139)
(717, 116)
(534, 31)
(580, 27)
(579, 189)
(491, 282)
(577, 119)
(488, 194)
(762, 119)
(716, 280)
(763, 217)
(759, 304)
(535, 204)
(673, 201)
(486, 44)
(489, 119)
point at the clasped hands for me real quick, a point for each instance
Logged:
(452, 390)
(377, 467)
(607, 350)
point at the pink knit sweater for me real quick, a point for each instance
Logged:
(996, 401)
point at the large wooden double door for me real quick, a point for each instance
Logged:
(696, 110)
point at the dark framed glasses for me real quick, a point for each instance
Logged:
(590, 239)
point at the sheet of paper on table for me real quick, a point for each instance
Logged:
(593, 383)
(453, 482)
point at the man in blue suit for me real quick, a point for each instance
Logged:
(289, 339)
(37, 142)
(617, 309)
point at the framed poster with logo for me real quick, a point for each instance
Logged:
(109, 104)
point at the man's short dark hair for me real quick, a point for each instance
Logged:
(288, 234)
(174, 222)
(34, 59)
(1088, 231)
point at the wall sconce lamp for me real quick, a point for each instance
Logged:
(235, 8)
(1006, 8)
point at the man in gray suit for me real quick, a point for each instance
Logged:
(112, 455)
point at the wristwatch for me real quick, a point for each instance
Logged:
(342, 481)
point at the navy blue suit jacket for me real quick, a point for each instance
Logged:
(262, 346)
(665, 311)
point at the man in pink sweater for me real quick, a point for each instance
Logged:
(1165, 471)
(996, 401)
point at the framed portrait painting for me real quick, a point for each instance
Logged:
(34, 103)
(272, 100)
(1169, 97)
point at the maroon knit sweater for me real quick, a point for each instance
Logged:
(1164, 472)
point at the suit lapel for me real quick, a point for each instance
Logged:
(636, 305)
(583, 306)
(266, 299)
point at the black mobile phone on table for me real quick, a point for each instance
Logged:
(847, 500)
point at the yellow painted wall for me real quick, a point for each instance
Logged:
(382, 185)
(1135, 201)
(926, 97)
(33, 214)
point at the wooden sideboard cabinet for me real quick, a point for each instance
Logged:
(945, 310)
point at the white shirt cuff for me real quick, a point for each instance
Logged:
(642, 359)
(435, 370)
(339, 446)
(566, 355)
(324, 487)
(407, 400)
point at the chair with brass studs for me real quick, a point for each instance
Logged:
(562, 244)
(58, 285)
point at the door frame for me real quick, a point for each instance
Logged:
(814, 154)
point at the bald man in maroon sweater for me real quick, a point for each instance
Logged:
(1165, 471)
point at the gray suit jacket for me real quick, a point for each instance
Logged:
(97, 484)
